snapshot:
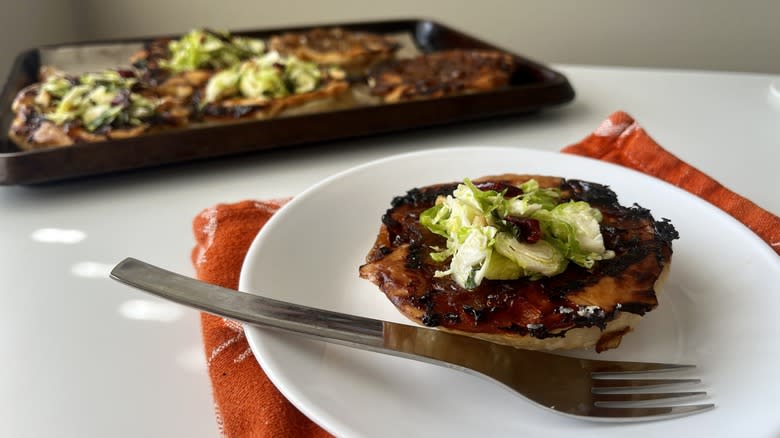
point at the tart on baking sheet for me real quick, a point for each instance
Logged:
(62, 109)
(179, 70)
(441, 74)
(201, 50)
(353, 51)
(267, 85)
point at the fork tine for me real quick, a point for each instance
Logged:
(617, 400)
(607, 385)
(648, 413)
(599, 367)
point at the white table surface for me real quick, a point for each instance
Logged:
(83, 356)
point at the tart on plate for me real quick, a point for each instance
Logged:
(532, 261)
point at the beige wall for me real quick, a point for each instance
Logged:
(713, 34)
(30, 23)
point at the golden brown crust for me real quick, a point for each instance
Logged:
(184, 84)
(442, 74)
(575, 309)
(29, 130)
(261, 108)
(46, 135)
(351, 50)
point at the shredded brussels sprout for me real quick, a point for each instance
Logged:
(484, 232)
(202, 48)
(269, 76)
(95, 99)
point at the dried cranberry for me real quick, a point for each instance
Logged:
(122, 98)
(126, 73)
(528, 230)
(511, 191)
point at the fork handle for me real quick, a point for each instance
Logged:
(321, 324)
(427, 345)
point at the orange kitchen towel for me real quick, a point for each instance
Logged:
(619, 139)
(246, 402)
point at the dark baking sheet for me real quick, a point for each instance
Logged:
(533, 87)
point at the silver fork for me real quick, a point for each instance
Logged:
(586, 389)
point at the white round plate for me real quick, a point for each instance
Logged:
(718, 310)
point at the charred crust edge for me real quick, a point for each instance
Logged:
(422, 196)
(590, 192)
(665, 230)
